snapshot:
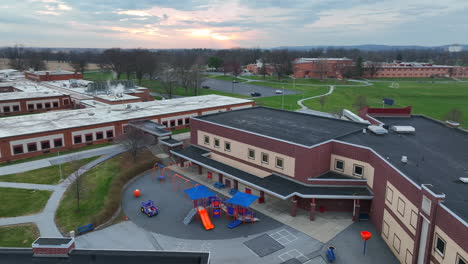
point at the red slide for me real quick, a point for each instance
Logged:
(205, 218)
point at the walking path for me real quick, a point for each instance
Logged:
(303, 107)
(45, 220)
(42, 163)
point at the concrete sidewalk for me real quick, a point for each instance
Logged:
(42, 163)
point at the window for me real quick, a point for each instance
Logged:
(109, 133)
(165, 123)
(55, 104)
(47, 105)
(125, 129)
(88, 137)
(172, 123)
(358, 170)
(187, 120)
(38, 106)
(6, 109)
(227, 146)
(385, 229)
(16, 108)
(413, 219)
(77, 139)
(339, 165)
(396, 243)
(264, 158)
(206, 140)
(440, 245)
(66, 102)
(461, 260)
(216, 143)
(58, 142)
(251, 154)
(389, 195)
(279, 163)
(32, 147)
(401, 206)
(180, 122)
(30, 107)
(99, 135)
(408, 257)
(45, 144)
(17, 149)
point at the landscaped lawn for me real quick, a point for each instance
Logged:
(180, 131)
(47, 175)
(228, 78)
(288, 80)
(431, 99)
(18, 235)
(96, 191)
(17, 202)
(50, 155)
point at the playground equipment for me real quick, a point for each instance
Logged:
(365, 235)
(200, 196)
(331, 254)
(216, 207)
(149, 208)
(136, 193)
(190, 216)
(177, 179)
(159, 171)
(238, 207)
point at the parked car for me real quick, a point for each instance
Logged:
(255, 94)
(278, 92)
(234, 81)
(205, 87)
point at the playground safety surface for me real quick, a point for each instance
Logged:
(174, 205)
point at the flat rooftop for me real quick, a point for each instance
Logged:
(57, 72)
(30, 124)
(293, 127)
(437, 155)
(28, 95)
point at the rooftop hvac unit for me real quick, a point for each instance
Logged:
(378, 130)
(464, 179)
(90, 113)
(403, 129)
(404, 159)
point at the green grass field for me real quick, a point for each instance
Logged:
(18, 235)
(94, 186)
(47, 175)
(228, 78)
(431, 99)
(288, 80)
(290, 101)
(17, 202)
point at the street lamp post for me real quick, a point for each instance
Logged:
(282, 99)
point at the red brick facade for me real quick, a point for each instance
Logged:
(50, 76)
(320, 68)
(410, 70)
(35, 105)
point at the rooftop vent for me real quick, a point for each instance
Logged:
(404, 159)
(48, 247)
(451, 123)
(464, 179)
(403, 129)
(378, 130)
(90, 113)
(363, 130)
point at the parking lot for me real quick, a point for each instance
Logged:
(243, 88)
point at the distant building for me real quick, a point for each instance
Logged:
(256, 68)
(455, 48)
(399, 69)
(320, 67)
(44, 76)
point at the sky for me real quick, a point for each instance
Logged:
(231, 23)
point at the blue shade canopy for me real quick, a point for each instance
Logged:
(242, 199)
(199, 192)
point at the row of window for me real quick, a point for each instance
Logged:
(47, 105)
(14, 108)
(89, 137)
(358, 170)
(31, 147)
(265, 158)
(439, 247)
(401, 207)
(178, 122)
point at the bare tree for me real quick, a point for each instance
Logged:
(322, 101)
(35, 62)
(133, 139)
(360, 102)
(372, 68)
(79, 63)
(454, 114)
(17, 57)
(281, 62)
(77, 169)
(113, 59)
(321, 69)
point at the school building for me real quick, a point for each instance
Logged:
(34, 135)
(320, 67)
(399, 69)
(45, 76)
(408, 181)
